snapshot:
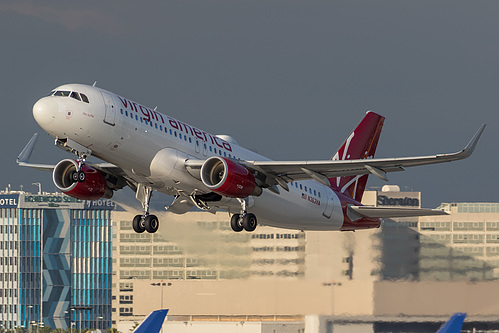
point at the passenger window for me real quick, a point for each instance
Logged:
(160, 128)
(126, 113)
(156, 125)
(305, 189)
(301, 188)
(315, 193)
(121, 111)
(296, 185)
(210, 148)
(84, 98)
(319, 194)
(310, 190)
(190, 140)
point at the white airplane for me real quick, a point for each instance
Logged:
(150, 151)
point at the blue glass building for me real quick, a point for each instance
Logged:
(56, 261)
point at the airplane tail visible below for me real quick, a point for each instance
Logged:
(153, 322)
(454, 325)
(361, 144)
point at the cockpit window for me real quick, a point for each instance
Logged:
(62, 93)
(84, 98)
(75, 95)
(72, 94)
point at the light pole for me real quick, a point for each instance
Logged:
(162, 284)
(71, 317)
(96, 322)
(29, 317)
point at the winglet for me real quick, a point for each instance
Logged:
(28, 149)
(470, 147)
(153, 322)
(24, 156)
(454, 324)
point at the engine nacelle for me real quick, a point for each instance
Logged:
(92, 188)
(228, 178)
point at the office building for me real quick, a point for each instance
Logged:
(55, 264)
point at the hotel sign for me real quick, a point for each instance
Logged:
(400, 199)
(52, 201)
(9, 201)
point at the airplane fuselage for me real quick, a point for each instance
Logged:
(151, 148)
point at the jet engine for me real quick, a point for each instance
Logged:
(89, 184)
(228, 178)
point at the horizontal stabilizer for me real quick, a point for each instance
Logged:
(388, 212)
(153, 322)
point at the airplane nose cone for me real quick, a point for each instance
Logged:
(45, 111)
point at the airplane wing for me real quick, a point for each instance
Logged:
(153, 322)
(281, 172)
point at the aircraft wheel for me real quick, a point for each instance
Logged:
(151, 224)
(138, 224)
(249, 222)
(234, 223)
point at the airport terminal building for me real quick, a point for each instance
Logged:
(56, 261)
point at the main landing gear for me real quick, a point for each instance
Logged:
(248, 222)
(245, 220)
(145, 222)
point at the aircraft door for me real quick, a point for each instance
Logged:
(329, 205)
(333, 210)
(110, 116)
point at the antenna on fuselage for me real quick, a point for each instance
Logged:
(95, 82)
(155, 108)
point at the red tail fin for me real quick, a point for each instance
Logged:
(361, 144)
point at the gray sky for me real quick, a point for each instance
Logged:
(289, 79)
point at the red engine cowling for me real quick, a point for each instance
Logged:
(92, 188)
(228, 178)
